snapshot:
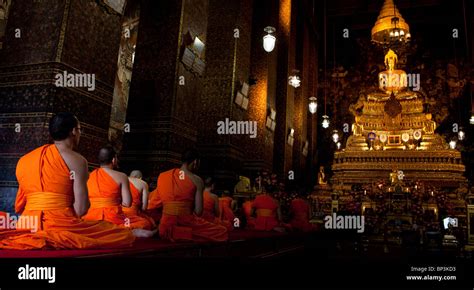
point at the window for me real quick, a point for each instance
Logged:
(271, 123)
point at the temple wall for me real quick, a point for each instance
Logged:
(75, 36)
(152, 91)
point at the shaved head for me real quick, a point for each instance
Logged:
(61, 125)
(136, 174)
(190, 159)
(209, 182)
(106, 155)
(190, 155)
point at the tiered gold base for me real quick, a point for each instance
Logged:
(440, 166)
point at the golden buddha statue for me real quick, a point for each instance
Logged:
(402, 135)
(243, 185)
(390, 60)
(392, 120)
(430, 125)
(322, 176)
(392, 79)
(394, 177)
(356, 127)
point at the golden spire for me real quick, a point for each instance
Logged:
(390, 21)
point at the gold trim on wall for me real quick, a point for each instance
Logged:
(176, 69)
(62, 33)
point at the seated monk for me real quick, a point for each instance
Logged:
(210, 202)
(226, 206)
(109, 191)
(247, 212)
(211, 211)
(300, 213)
(139, 191)
(182, 194)
(268, 212)
(53, 191)
(155, 206)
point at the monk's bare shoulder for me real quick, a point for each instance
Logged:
(195, 179)
(198, 181)
(143, 184)
(123, 177)
(118, 176)
(138, 183)
(73, 159)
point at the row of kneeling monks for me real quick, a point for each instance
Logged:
(72, 209)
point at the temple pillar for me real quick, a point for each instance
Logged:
(228, 64)
(282, 154)
(166, 86)
(259, 151)
(303, 63)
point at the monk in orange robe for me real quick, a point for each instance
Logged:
(211, 206)
(181, 192)
(154, 208)
(226, 205)
(52, 191)
(210, 203)
(109, 191)
(300, 212)
(247, 211)
(139, 191)
(268, 212)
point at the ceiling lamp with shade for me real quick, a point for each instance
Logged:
(390, 26)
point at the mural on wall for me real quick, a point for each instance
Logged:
(116, 6)
(4, 7)
(123, 78)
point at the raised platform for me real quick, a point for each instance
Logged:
(443, 166)
(242, 243)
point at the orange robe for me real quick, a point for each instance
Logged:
(155, 206)
(178, 221)
(135, 211)
(209, 212)
(105, 196)
(247, 210)
(226, 213)
(266, 208)
(46, 193)
(300, 215)
(209, 209)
